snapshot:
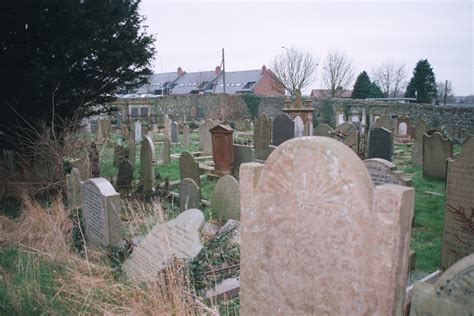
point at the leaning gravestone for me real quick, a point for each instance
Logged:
(178, 238)
(417, 149)
(186, 135)
(458, 232)
(174, 132)
(147, 169)
(74, 184)
(348, 134)
(297, 214)
(189, 195)
(189, 168)
(324, 129)
(165, 151)
(101, 207)
(436, 151)
(452, 294)
(283, 129)
(384, 172)
(205, 139)
(262, 137)
(225, 200)
(299, 127)
(386, 122)
(380, 143)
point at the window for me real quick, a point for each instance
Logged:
(249, 85)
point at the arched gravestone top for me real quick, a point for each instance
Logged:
(283, 129)
(436, 149)
(402, 128)
(189, 168)
(420, 128)
(324, 129)
(189, 195)
(205, 139)
(313, 227)
(225, 200)
(385, 121)
(262, 137)
(348, 134)
(458, 231)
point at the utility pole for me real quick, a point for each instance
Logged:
(223, 69)
(445, 92)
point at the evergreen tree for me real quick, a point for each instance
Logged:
(375, 91)
(362, 86)
(423, 83)
(58, 57)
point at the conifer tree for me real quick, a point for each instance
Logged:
(423, 83)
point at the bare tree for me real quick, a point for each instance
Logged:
(338, 73)
(445, 89)
(294, 68)
(391, 77)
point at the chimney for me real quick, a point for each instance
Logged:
(218, 70)
(180, 71)
(264, 69)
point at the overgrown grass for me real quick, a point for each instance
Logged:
(207, 187)
(170, 171)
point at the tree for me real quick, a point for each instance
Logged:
(391, 78)
(423, 83)
(294, 68)
(442, 89)
(364, 88)
(65, 56)
(338, 72)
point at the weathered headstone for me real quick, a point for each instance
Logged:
(299, 127)
(124, 176)
(74, 184)
(380, 143)
(225, 200)
(348, 134)
(324, 129)
(165, 151)
(452, 294)
(138, 132)
(94, 160)
(147, 169)
(83, 164)
(436, 151)
(384, 172)
(262, 137)
(189, 195)
(125, 132)
(101, 208)
(458, 232)
(120, 153)
(242, 154)
(174, 132)
(386, 122)
(283, 129)
(205, 136)
(222, 149)
(417, 148)
(186, 135)
(296, 216)
(189, 168)
(178, 238)
(167, 122)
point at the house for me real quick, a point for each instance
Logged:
(261, 81)
(324, 93)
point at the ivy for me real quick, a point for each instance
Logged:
(253, 102)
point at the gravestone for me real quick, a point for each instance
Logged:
(382, 171)
(283, 128)
(125, 132)
(205, 139)
(167, 122)
(417, 148)
(324, 129)
(174, 132)
(165, 151)
(138, 132)
(222, 149)
(189, 168)
(74, 184)
(189, 195)
(452, 293)
(225, 200)
(242, 154)
(94, 160)
(178, 238)
(124, 176)
(380, 143)
(386, 122)
(101, 208)
(458, 232)
(186, 135)
(262, 137)
(82, 164)
(299, 127)
(348, 134)
(436, 151)
(317, 238)
(132, 151)
(403, 129)
(120, 153)
(147, 169)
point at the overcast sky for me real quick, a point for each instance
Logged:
(191, 34)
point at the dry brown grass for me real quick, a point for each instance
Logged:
(89, 285)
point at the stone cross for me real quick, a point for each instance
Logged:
(317, 238)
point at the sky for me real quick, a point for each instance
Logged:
(191, 34)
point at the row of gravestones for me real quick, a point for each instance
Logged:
(317, 237)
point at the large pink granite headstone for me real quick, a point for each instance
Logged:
(318, 238)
